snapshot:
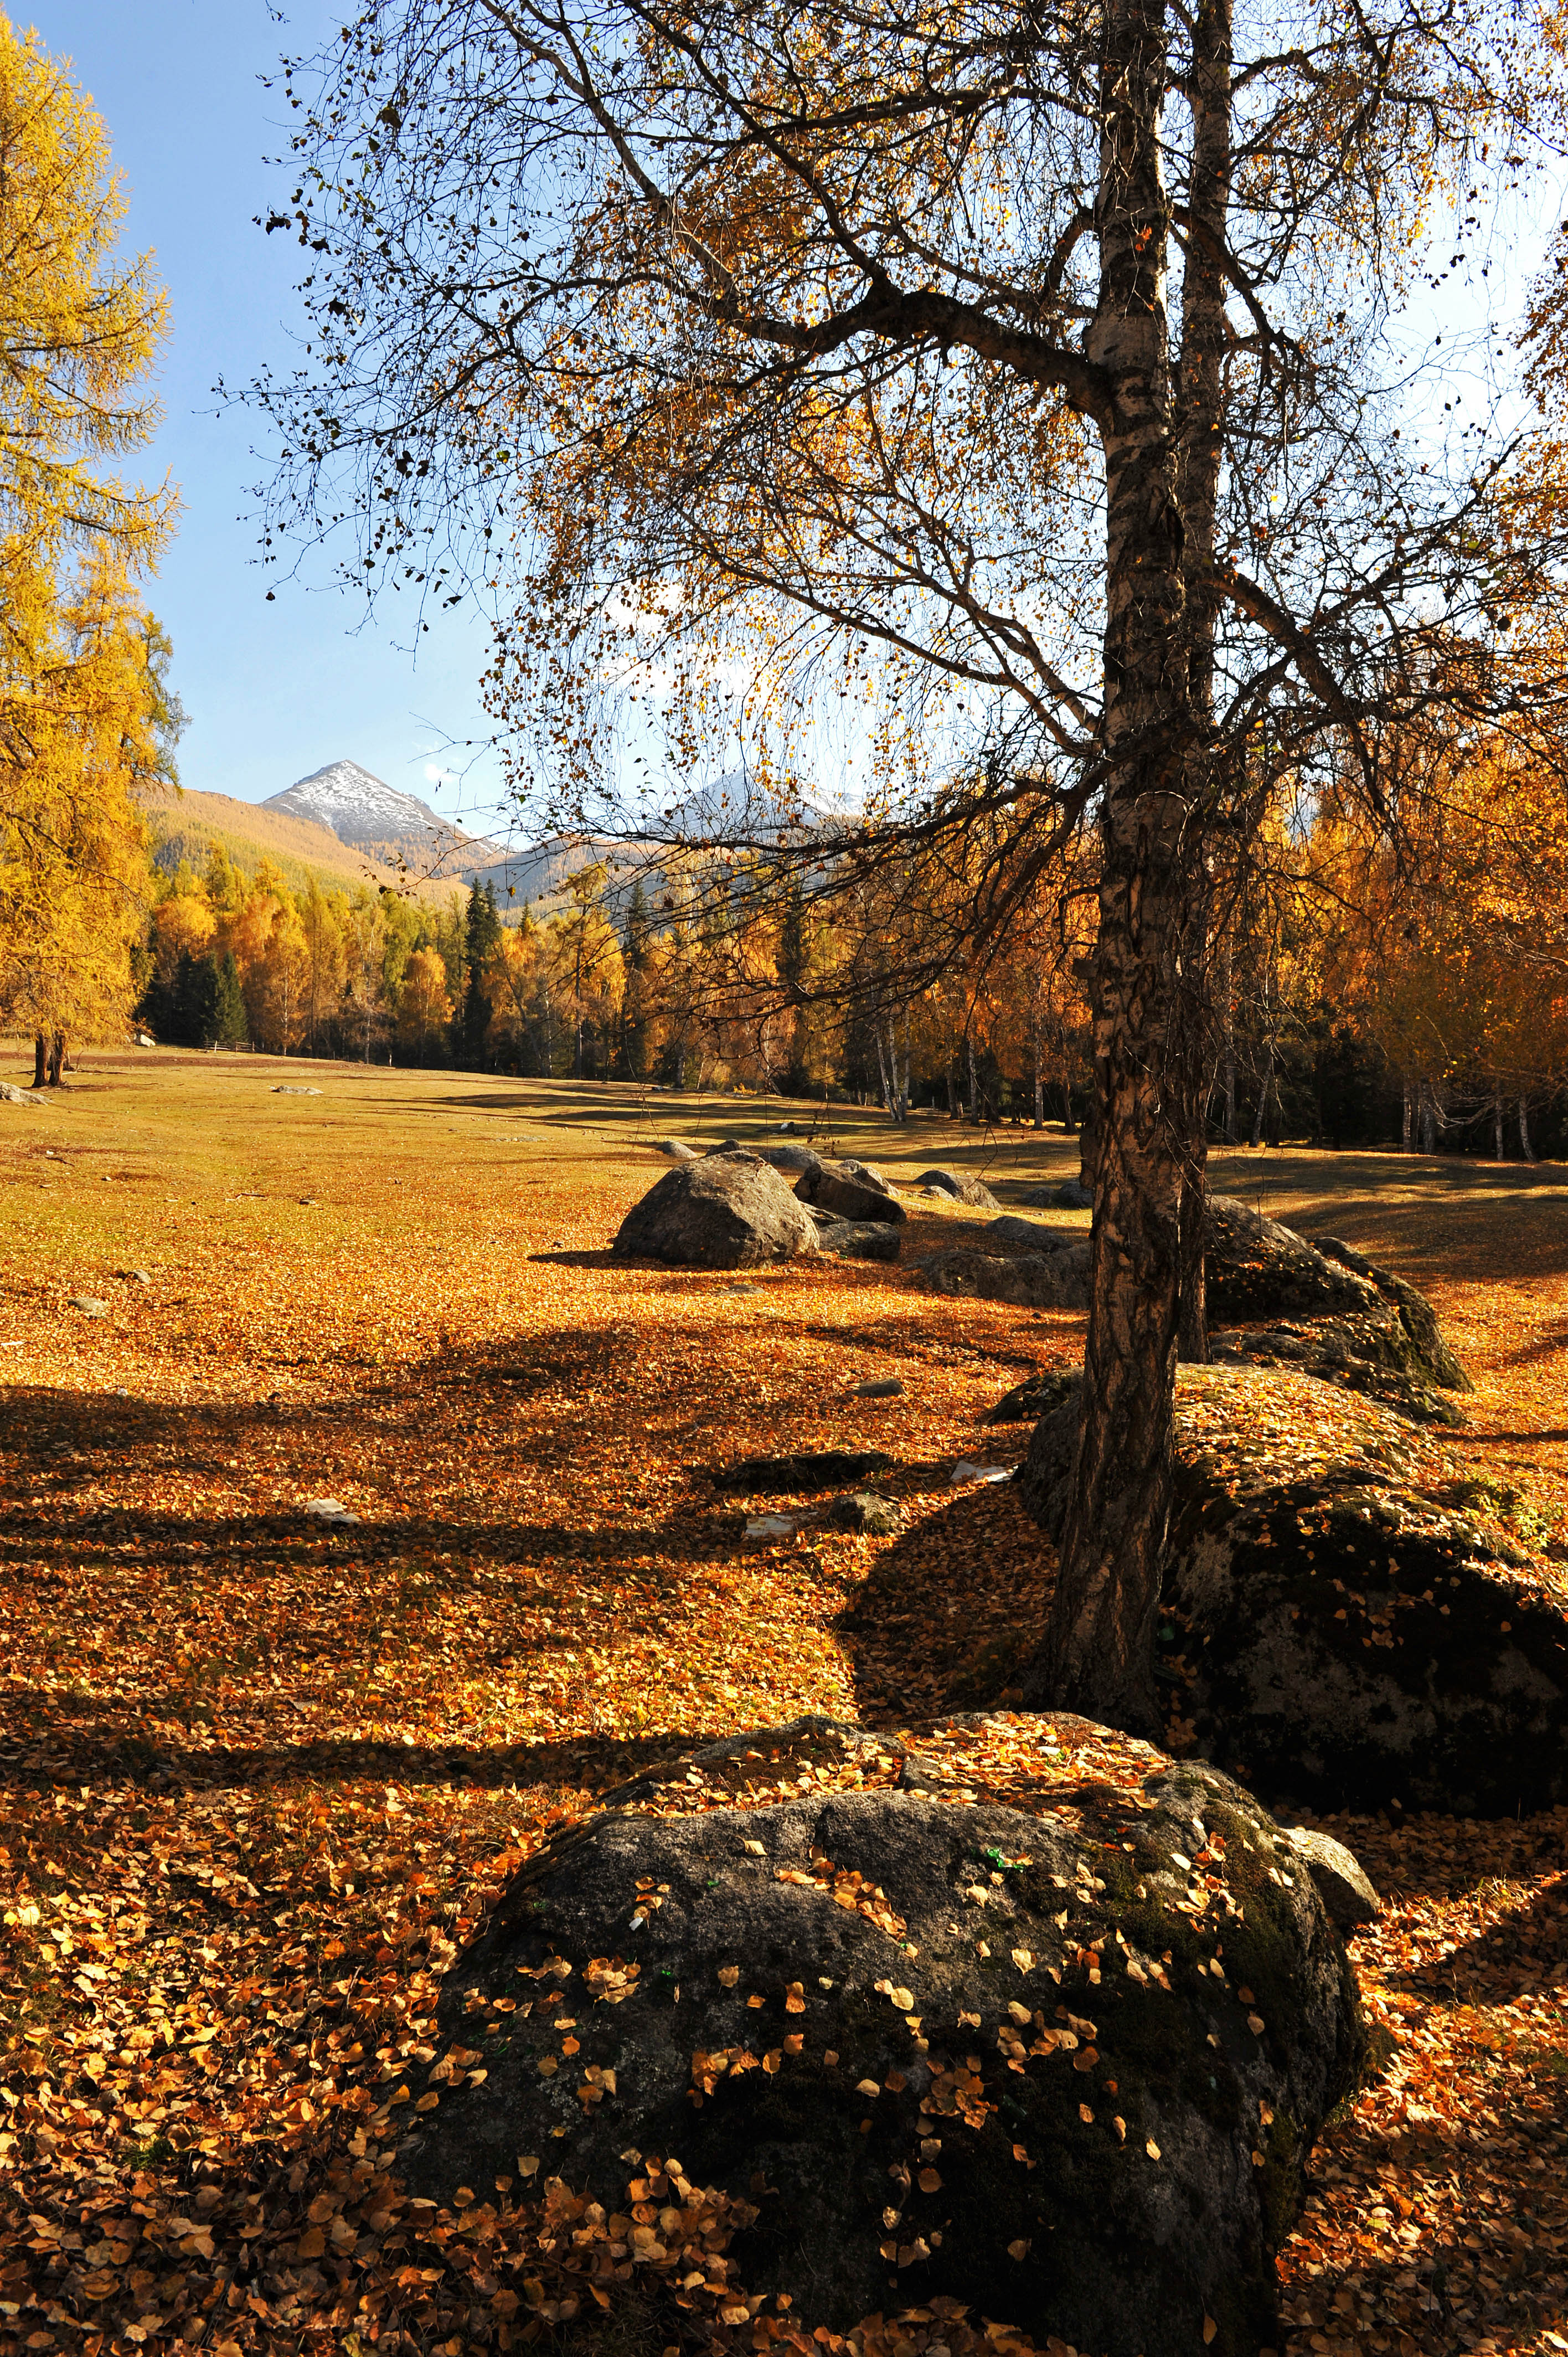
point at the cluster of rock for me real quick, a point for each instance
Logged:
(731, 1208)
(983, 2029)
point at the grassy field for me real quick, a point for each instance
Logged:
(261, 1771)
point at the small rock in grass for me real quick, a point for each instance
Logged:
(89, 1306)
(964, 1472)
(286, 1089)
(768, 1527)
(329, 1510)
(889, 1387)
(135, 1276)
(863, 1509)
(676, 1148)
(11, 1094)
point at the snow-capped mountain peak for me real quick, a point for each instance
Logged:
(356, 806)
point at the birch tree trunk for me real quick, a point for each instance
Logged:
(1526, 1149)
(1098, 1654)
(1228, 1041)
(1499, 1149)
(1408, 1120)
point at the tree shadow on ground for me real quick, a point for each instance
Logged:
(50, 1734)
(950, 1613)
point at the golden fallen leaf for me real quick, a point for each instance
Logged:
(1020, 2249)
(728, 1975)
(1210, 2330)
(1152, 2148)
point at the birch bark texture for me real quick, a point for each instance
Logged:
(934, 370)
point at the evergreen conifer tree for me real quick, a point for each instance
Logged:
(484, 933)
(634, 1022)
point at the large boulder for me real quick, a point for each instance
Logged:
(1330, 1310)
(1339, 1628)
(962, 1186)
(1256, 1269)
(724, 1211)
(1025, 2018)
(850, 1192)
(1033, 1280)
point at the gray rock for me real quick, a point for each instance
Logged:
(1254, 1267)
(1068, 1195)
(88, 1305)
(725, 1210)
(1348, 1637)
(11, 1094)
(856, 1239)
(887, 1387)
(796, 1160)
(962, 1187)
(863, 1509)
(676, 1148)
(1091, 2149)
(1058, 1280)
(1337, 1876)
(286, 1089)
(849, 1194)
(135, 1276)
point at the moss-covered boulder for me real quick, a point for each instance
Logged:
(1347, 1619)
(1369, 1351)
(1330, 1307)
(1018, 2017)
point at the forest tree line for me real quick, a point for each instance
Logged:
(1358, 999)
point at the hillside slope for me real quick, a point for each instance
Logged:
(185, 826)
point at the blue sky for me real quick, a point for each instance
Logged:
(273, 691)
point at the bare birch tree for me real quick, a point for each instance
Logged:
(1049, 383)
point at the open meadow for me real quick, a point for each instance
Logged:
(263, 1772)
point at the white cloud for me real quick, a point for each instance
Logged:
(436, 776)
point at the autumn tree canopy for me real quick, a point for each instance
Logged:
(87, 715)
(1052, 388)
